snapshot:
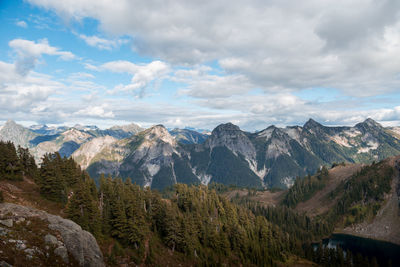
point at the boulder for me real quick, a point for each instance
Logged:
(7, 222)
(78, 243)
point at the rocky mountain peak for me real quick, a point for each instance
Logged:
(131, 128)
(159, 132)
(230, 136)
(266, 133)
(18, 134)
(11, 123)
(370, 123)
(226, 128)
(76, 135)
(86, 127)
(370, 126)
(312, 124)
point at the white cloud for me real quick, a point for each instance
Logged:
(275, 44)
(31, 48)
(202, 84)
(21, 24)
(266, 51)
(20, 94)
(142, 75)
(101, 43)
(29, 52)
(96, 111)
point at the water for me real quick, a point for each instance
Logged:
(383, 251)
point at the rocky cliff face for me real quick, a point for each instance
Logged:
(87, 152)
(32, 236)
(150, 158)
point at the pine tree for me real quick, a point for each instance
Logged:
(27, 161)
(83, 209)
(51, 181)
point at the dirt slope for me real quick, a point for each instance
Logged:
(319, 204)
(386, 225)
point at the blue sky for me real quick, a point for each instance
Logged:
(199, 63)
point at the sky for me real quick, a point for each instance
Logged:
(189, 63)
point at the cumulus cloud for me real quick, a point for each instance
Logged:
(101, 43)
(21, 89)
(262, 53)
(142, 74)
(20, 94)
(277, 45)
(96, 111)
(28, 53)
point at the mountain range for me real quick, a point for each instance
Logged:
(158, 158)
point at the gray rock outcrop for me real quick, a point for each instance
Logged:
(78, 243)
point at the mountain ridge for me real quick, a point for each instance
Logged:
(272, 157)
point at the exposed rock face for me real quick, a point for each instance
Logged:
(85, 154)
(232, 137)
(79, 243)
(186, 136)
(154, 150)
(17, 134)
(272, 157)
(125, 131)
(41, 139)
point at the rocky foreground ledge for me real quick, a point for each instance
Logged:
(35, 236)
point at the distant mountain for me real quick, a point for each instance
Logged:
(17, 134)
(186, 136)
(46, 130)
(120, 132)
(65, 143)
(273, 157)
(150, 158)
(41, 139)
